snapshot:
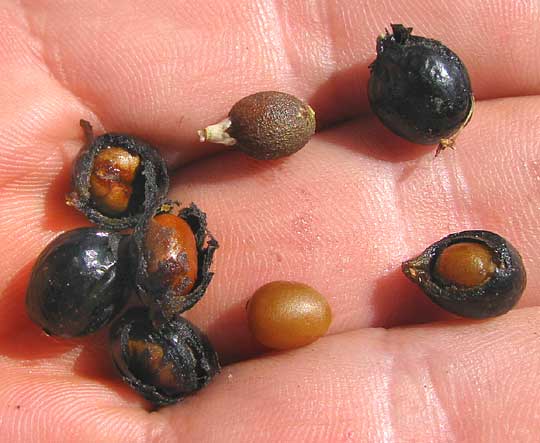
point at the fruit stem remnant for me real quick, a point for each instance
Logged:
(449, 142)
(217, 133)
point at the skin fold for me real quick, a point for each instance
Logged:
(340, 215)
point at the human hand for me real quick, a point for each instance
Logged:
(341, 215)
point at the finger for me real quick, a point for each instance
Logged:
(179, 65)
(344, 213)
(40, 403)
(39, 137)
(457, 381)
(461, 381)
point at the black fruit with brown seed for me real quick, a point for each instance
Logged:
(165, 363)
(475, 274)
(118, 179)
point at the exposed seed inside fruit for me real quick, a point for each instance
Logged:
(171, 252)
(111, 180)
(118, 180)
(465, 264)
(476, 274)
(163, 363)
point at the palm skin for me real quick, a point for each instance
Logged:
(340, 215)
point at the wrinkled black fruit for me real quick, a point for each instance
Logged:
(78, 282)
(495, 296)
(164, 364)
(164, 301)
(418, 87)
(149, 188)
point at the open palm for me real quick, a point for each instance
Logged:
(341, 215)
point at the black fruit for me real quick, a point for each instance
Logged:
(419, 88)
(78, 282)
(117, 179)
(164, 364)
(474, 274)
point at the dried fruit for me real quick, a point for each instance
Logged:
(266, 125)
(118, 180)
(419, 88)
(475, 274)
(164, 364)
(172, 255)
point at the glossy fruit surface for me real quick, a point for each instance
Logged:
(118, 180)
(164, 364)
(419, 88)
(78, 282)
(475, 274)
(266, 125)
(172, 254)
(285, 315)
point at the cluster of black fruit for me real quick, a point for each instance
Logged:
(418, 88)
(421, 91)
(84, 278)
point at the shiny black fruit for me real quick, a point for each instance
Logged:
(78, 282)
(419, 88)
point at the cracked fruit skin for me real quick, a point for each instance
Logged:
(475, 274)
(165, 363)
(419, 88)
(118, 180)
(172, 255)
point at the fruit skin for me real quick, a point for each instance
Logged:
(78, 282)
(185, 363)
(150, 188)
(168, 301)
(419, 88)
(266, 125)
(494, 297)
(286, 315)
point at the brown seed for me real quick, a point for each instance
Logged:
(111, 180)
(285, 315)
(465, 264)
(171, 249)
(266, 125)
(148, 363)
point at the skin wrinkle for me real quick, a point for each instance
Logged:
(388, 427)
(156, 427)
(458, 192)
(282, 25)
(53, 73)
